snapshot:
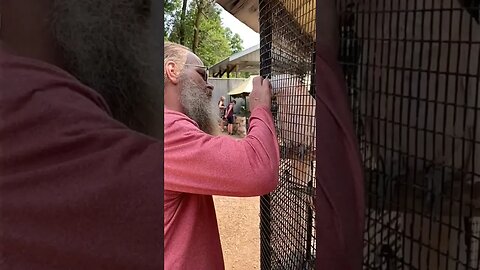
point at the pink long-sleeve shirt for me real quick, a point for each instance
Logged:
(78, 190)
(197, 166)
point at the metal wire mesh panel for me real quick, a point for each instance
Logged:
(287, 32)
(412, 69)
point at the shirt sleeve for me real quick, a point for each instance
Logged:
(196, 162)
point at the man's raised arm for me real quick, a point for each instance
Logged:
(196, 162)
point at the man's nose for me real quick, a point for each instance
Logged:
(210, 86)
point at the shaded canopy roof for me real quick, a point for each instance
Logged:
(243, 89)
(247, 61)
(244, 10)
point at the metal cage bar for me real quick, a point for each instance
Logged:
(412, 69)
(287, 35)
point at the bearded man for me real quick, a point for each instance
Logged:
(80, 157)
(198, 163)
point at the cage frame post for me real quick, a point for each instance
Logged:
(265, 70)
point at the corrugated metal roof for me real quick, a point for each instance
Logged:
(247, 60)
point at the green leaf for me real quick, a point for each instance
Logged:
(216, 42)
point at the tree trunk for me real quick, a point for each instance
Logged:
(183, 23)
(196, 30)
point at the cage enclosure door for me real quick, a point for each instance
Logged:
(412, 69)
(287, 44)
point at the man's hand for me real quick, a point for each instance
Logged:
(261, 95)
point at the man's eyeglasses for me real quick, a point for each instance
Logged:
(205, 71)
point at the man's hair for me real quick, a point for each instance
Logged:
(176, 53)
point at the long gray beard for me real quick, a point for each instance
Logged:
(107, 46)
(197, 105)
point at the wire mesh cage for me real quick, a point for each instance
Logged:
(287, 32)
(412, 70)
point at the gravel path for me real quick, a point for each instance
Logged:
(238, 222)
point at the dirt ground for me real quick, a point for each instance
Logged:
(238, 222)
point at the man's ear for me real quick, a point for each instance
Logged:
(172, 72)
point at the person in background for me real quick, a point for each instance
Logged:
(198, 163)
(230, 116)
(221, 112)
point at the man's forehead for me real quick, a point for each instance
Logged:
(192, 59)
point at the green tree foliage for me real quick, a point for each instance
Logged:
(203, 30)
(171, 7)
(234, 40)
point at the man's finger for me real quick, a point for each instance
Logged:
(268, 82)
(267, 77)
(257, 82)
